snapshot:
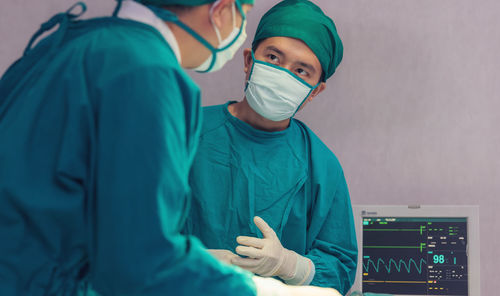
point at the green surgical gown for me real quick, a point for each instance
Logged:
(98, 128)
(289, 178)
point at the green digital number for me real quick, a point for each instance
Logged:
(438, 259)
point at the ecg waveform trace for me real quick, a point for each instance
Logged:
(415, 256)
(397, 265)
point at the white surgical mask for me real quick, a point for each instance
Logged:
(226, 48)
(274, 92)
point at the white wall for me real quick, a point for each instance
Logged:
(412, 112)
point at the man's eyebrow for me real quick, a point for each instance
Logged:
(275, 49)
(307, 66)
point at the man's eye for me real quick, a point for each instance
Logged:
(272, 58)
(302, 72)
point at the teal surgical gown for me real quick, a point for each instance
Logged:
(98, 128)
(289, 178)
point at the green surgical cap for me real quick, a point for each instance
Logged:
(303, 20)
(186, 2)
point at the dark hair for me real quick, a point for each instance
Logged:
(255, 44)
(178, 8)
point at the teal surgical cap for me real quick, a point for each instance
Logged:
(303, 20)
(186, 2)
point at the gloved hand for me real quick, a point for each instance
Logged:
(267, 257)
(222, 255)
(272, 287)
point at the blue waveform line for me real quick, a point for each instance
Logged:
(398, 265)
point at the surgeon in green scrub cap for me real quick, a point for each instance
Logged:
(99, 123)
(306, 22)
(268, 194)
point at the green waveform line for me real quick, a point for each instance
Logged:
(421, 229)
(421, 247)
(398, 266)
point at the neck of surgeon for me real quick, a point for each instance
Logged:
(245, 113)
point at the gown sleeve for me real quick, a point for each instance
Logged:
(140, 170)
(331, 234)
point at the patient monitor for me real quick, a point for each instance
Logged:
(417, 250)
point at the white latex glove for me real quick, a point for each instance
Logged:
(267, 257)
(222, 255)
(272, 287)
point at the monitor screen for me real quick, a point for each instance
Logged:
(415, 256)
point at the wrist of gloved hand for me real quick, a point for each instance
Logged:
(296, 270)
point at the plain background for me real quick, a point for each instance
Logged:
(413, 112)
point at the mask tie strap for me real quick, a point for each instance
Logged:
(251, 70)
(61, 19)
(219, 37)
(117, 8)
(233, 11)
(169, 16)
(243, 20)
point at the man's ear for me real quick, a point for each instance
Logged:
(321, 87)
(247, 59)
(221, 10)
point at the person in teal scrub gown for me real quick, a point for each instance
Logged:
(268, 194)
(98, 128)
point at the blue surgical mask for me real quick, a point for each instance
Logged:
(226, 49)
(274, 92)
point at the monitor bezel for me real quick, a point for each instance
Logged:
(425, 211)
